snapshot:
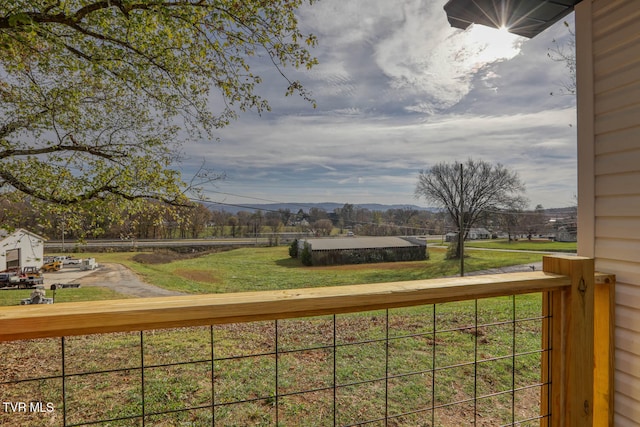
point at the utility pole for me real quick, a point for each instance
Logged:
(63, 232)
(461, 225)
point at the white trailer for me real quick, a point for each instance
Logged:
(88, 264)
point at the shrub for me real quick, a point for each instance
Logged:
(305, 257)
(293, 249)
(452, 250)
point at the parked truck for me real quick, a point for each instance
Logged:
(9, 279)
(30, 277)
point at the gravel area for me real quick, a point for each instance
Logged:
(113, 276)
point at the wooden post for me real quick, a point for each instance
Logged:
(572, 342)
(604, 357)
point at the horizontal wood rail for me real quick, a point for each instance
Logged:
(80, 318)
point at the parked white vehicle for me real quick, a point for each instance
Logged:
(72, 261)
(89, 264)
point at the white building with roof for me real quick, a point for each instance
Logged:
(19, 249)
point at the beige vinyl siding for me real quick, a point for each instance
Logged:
(626, 358)
(615, 46)
(618, 184)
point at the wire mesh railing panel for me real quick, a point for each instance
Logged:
(30, 382)
(474, 362)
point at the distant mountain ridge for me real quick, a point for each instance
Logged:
(295, 207)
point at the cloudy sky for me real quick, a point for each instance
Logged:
(397, 91)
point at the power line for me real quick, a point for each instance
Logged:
(231, 204)
(299, 205)
(244, 197)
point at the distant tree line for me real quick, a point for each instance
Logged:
(160, 221)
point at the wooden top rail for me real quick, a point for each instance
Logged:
(80, 318)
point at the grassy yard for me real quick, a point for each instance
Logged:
(413, 347)
(525, 245)
(13, 296)
(251, 269)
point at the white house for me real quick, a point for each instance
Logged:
(478, 234)
(473, 234)
(20, 249)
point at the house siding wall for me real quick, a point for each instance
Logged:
(613, 100)
(31, 249)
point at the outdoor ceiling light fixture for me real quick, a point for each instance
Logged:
(526, 18)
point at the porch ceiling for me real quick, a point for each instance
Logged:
(525, 18)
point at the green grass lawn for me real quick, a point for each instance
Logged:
(525, 245)
(14, 296)
(250, 269)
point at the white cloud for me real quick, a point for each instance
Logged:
(426, 64)
(383, 157)
(399, 90)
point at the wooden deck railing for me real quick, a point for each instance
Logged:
(577, 304)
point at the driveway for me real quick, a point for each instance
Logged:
(113, 276)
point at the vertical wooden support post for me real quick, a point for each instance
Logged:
(604, 329)
(572, 341)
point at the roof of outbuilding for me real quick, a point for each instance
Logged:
(363, 243)
(4, 234)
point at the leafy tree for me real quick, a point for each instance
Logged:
(316, 214)
(323, 227)
(233, 222)
(305, 256)
(485, 187)
(255, 223)
(93, 93)
(274, 222)
(198, 219)
(244, 223)
(285, 216)
(293, 249)
(346, 216)
(219, 220)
